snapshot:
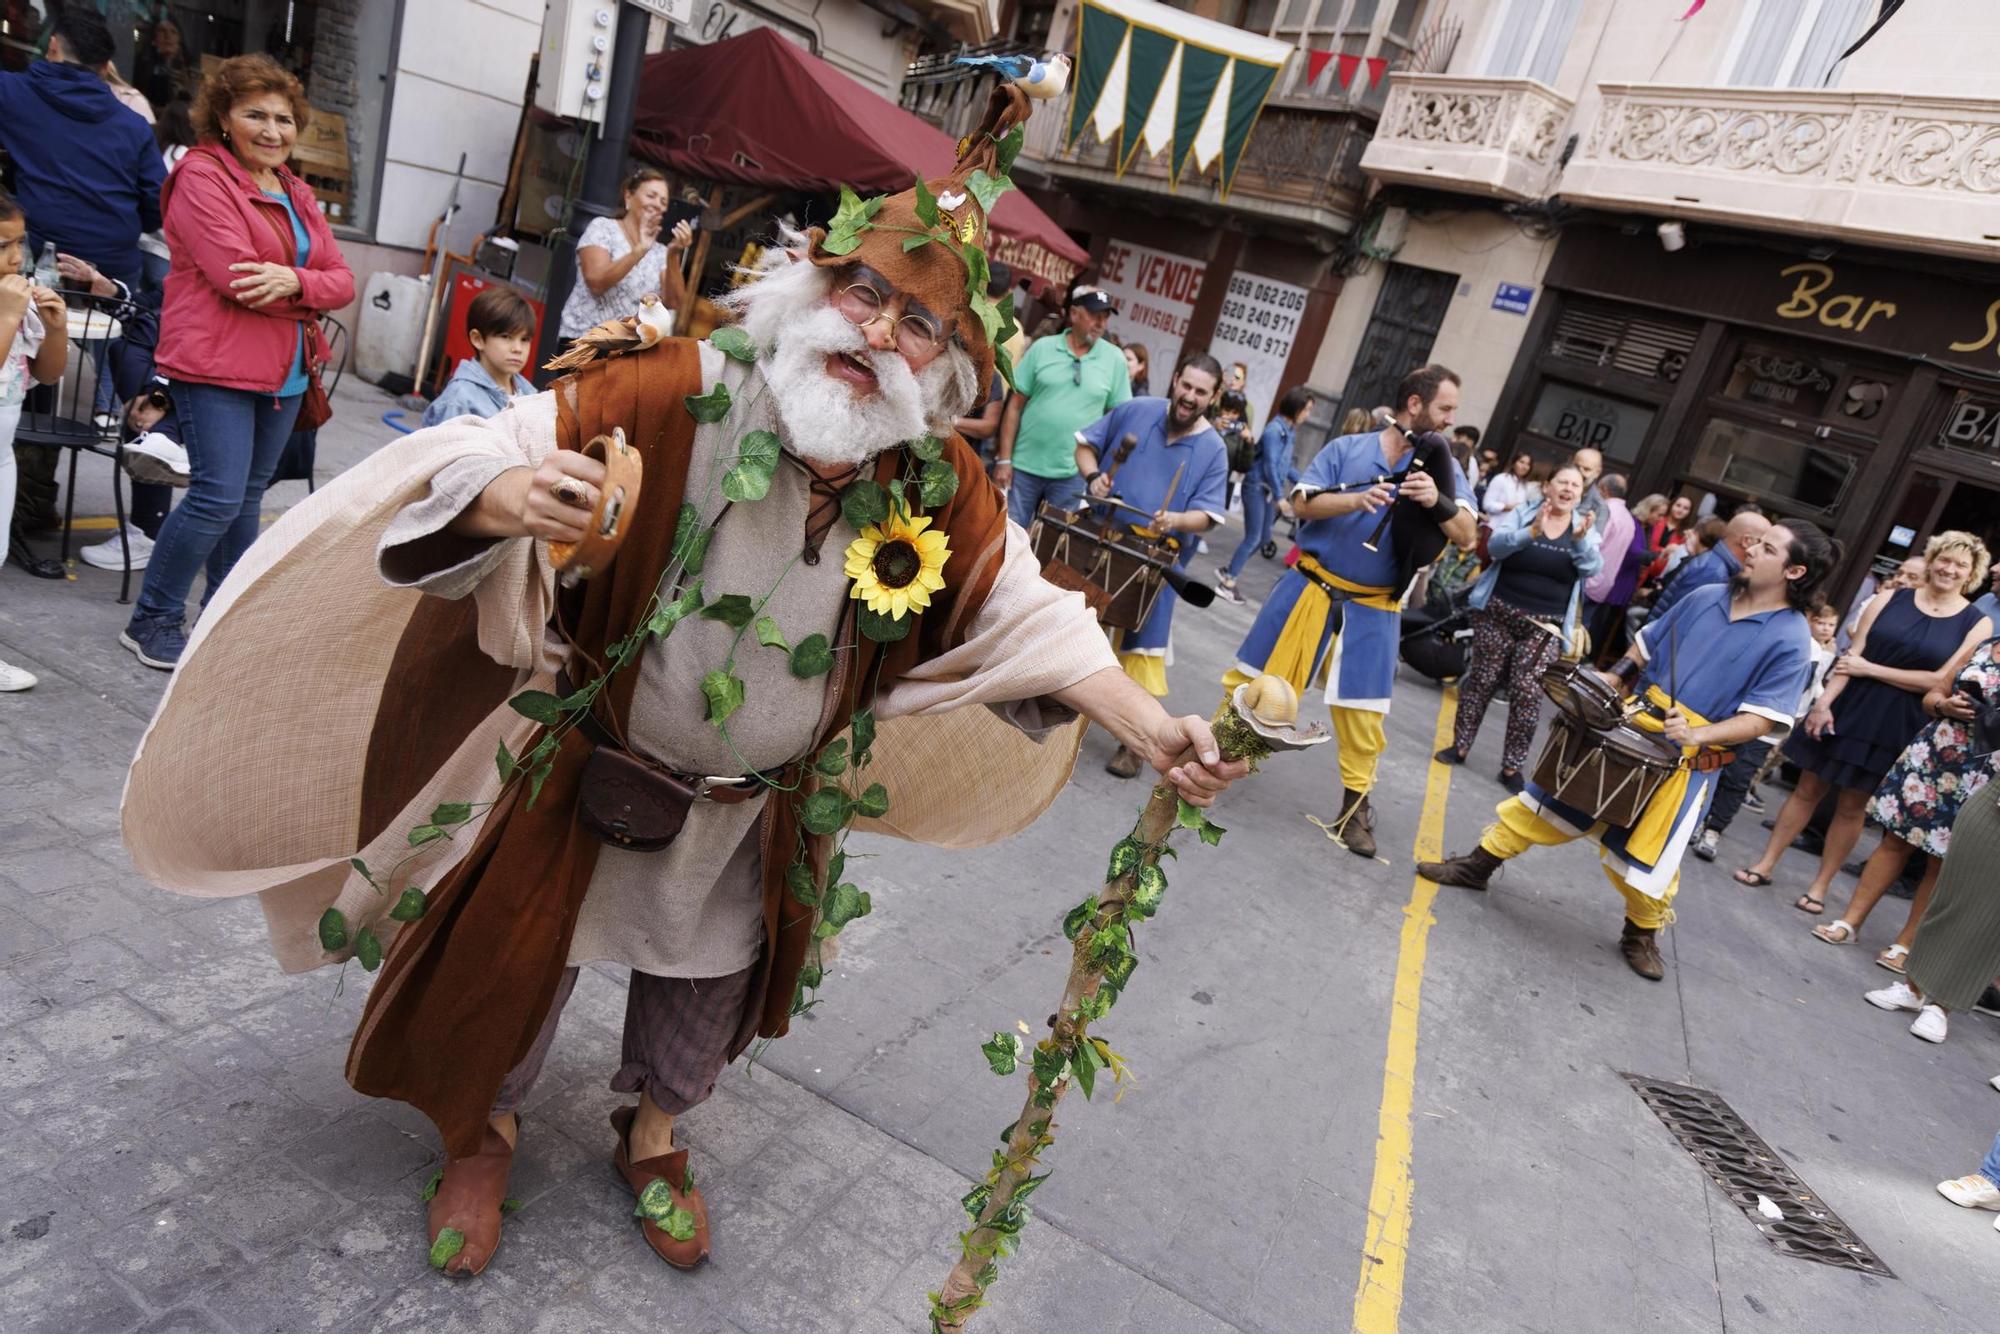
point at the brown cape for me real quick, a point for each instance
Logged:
(466, 988)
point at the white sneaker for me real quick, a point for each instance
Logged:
(107, 556)
(1995, 1082)
(1971, 1192)
(155, 458)
(1895, 996)
(1705, 846)
(15, 678)
(1930, 1024)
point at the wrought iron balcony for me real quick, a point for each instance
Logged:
(1499, 137)
(1916, 172)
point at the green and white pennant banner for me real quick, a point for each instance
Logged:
(1154, 77)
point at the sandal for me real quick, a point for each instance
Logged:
(1892, 958)
(1756, 879)
(1806, 903)
(1836, 932)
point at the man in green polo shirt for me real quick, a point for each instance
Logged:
(1065, 382)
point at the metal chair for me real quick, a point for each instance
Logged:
(60, 416)
(302, 450)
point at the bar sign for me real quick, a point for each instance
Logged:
(1513, 297)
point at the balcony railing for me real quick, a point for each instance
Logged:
(1499, 137)
(1918, 172)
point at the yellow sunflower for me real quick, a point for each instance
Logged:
(896, 565)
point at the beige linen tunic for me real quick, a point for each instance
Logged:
(695, 909)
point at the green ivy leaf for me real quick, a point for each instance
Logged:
(811, 976)
(1124, 856)
(732, 609)
(873, 803)
(511, 1206)
(1008, 147)
(840, 905)
(812, 656)
(1079, 917)
(679, 1224)
(1211, 833)
(724, 692)
(988, 311)
(770, 636)
(987, 189)
(916, 242)
(824, 812)
(1095, 1007)
(451, 812)
(977, 276)
(1187, 815)
(974, 1200)
(536, 779)
(710, 407)
(1003, 1053)
(862, 728)
(1147, 891)
(863, 503)
(839, 241)
(655, 1202)
(1087, 1063)
(685, 527)
(1003, 361)
(332, 930)
(832, 759)
(1118, 970)
(539, 705)
(732, 342)
(425, 833)
(431, 1186)
(799, 879)
(937, 484)
(756, 462)
(450, 1241)
(673, 613)
(927, 206)
(410, 906)
(1050, 1063)
(505, 762)
(926, 447)
(884, 629)
(367, 950)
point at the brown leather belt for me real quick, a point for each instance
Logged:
(723, 791)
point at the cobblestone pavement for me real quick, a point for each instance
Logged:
(178, 1150)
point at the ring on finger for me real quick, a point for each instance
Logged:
(568, 492)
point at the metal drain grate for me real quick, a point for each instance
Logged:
(1744, 1166)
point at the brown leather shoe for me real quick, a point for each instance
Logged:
(1123, 765)
(1641, 948)
(470, 1192)
(1471, 871)
(671, 1171)
(1356, 823)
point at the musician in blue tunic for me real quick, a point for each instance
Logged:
(1177, 471)
(1724, 666)
(1336, 616)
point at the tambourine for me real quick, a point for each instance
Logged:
(617, 498)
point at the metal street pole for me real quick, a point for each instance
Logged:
(603, 171)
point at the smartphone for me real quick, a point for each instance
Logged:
(680, 210)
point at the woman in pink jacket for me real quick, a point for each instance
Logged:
(254, 264)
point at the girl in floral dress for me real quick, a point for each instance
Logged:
(1918, 800)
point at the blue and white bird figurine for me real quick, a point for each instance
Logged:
(1037, 77)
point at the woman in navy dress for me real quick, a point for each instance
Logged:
(1910, 641)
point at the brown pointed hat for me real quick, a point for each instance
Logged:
(930, 240)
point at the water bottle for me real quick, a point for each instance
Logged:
(46, 273)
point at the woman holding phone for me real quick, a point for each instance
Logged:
(621, 260)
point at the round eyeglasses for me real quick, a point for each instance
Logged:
(861, 305)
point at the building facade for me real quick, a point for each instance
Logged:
(1747, 269)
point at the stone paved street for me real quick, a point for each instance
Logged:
(178, 1150)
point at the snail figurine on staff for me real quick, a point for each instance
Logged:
(1259, 719)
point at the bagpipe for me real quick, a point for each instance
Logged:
(1120, 567)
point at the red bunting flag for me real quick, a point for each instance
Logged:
(1377, 67)
(1347, 67)
(1315, 63)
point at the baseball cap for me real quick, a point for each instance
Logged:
(1093, 299)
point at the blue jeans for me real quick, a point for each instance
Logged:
(1029, 491)
(234, 438)
(1990, 1169)
(1260, 512)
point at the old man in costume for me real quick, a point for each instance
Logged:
(1336, 616)
(1722, 668)
(396, 713)
(1158, 457)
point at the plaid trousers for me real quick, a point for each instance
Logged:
(678, 1031)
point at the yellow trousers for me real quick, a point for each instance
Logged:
(1520, 828)
(1148, 669)
(1358, 732)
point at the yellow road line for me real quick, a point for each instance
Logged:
(1378, 1297)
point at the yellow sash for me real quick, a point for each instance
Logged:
(1649, 837)
(1292, 657)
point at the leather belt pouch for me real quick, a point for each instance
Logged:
(630, 804)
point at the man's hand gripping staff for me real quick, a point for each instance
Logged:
(1261, 718)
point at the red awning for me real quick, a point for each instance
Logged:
(759, 110)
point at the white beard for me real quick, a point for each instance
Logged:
(786, 313)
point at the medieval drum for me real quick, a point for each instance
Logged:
(1119, 574)
(1610, 774)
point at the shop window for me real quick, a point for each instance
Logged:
(1530, 38)
(1579, 418)
(1794, 472)
(1598, 333)
(1792, 43)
